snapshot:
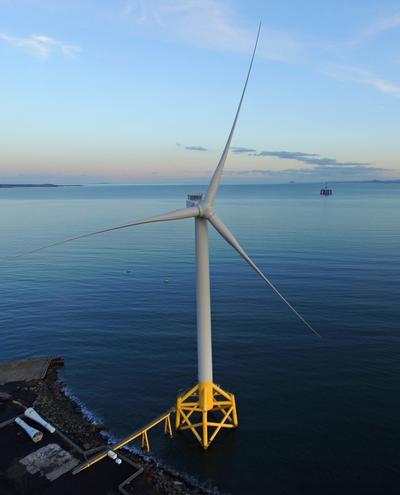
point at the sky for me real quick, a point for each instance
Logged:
(145, 91)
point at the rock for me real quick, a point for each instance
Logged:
(48, 397)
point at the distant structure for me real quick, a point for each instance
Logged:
(205, 409)
(326, 191)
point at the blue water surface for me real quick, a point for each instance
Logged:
(316, 415)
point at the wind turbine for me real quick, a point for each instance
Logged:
(205, 397)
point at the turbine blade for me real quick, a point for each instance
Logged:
(221, 228)
(165, 217)
(216, 178)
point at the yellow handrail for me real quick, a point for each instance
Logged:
(142, 431)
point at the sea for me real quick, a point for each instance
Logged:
(316, 416)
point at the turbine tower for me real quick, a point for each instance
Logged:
(206, 408)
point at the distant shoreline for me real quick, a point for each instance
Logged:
(50, 185)
(11, 186)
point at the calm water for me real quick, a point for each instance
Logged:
(316, 416)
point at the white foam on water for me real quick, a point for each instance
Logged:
(112, 439)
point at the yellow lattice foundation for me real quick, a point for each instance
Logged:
(205, 410)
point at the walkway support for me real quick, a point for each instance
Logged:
(142, 432)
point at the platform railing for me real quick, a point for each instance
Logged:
(141, 432)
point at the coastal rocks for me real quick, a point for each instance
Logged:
(168, 481)
(50, 400)
(4, 396)
(64, 413)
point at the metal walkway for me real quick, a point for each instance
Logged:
(142, 432)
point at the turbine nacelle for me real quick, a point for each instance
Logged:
(193, 199)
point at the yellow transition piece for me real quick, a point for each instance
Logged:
(204, 410)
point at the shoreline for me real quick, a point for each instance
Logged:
(14, 186)
(192, 485)
(51, 398)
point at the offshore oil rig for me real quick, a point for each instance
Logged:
(326, 191)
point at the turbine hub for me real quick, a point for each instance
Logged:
(205, 209)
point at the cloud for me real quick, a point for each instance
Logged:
(309, 159)
(216, 25)
(350, 170)
(288, 155)
(376, 28)
(322, 173)
(40, 45)
(319, 167)
(208, 24)
(196, 148)
(240, 149)
(361, 76)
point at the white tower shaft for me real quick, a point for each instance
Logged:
(204, 344)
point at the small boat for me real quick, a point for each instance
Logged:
(326, 191)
